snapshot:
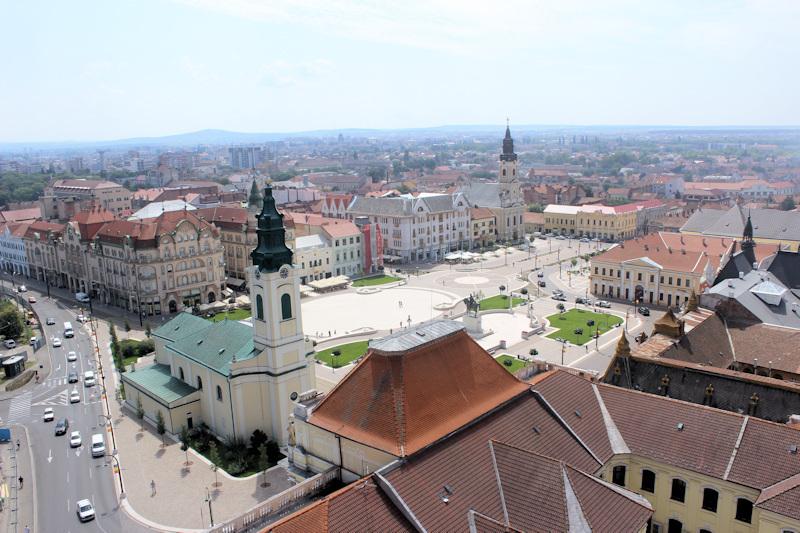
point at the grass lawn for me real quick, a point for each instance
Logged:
(236, 314)
(374, 280)
(349, 353)
(577, 318)
(516, 364)
(499, 301)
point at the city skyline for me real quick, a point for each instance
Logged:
(96, 72)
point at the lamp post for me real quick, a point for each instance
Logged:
(210, 513)
(119, 470)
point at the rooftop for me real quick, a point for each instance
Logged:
(157, 380)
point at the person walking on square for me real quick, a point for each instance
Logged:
(153, 487)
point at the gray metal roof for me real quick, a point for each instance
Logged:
(393, 207)
(786, 313)
(417, 335)
(767, 223)
(483, 194)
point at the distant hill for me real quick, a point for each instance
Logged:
(215, 136)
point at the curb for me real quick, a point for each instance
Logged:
(125, 506)
(35, 500)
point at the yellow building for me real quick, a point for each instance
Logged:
(484, 227)
(234, 377)
(594, 221)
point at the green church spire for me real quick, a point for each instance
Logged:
(271, 251)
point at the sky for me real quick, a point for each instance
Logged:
(102, 70)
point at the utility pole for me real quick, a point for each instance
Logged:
(210, 514)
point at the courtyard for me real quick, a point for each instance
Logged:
(579, 319)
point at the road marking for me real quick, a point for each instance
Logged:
(50, 456)
(90, 475)
(68, 506)
(20, 407)
(67, 479)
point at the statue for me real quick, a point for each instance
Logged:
(472, 304)
(292, 437)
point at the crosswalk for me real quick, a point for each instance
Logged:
(20, 407)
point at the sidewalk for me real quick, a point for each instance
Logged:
(19, 505)
(179, 502)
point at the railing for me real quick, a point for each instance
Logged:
(257, 516)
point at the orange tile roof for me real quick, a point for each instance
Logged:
(400, 402)
(21, 215)
(480, 212)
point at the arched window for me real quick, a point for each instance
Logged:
(648, 480)
(259, 307)
(199, 383)
(618, 475)
(219, 393)
(710, 498)
(286, 307)
(744, 510)
(678, 493)
(674, 526)
(180, 372)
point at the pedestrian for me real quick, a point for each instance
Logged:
(329, 333)
(17, 444)
(153, 487)
(20, 481)
(27, 529)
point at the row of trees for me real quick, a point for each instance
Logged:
(12, 321)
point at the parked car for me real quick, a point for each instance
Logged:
(559, 297)
(561, 238)
(72, 356)
(580, 300)
(74, 439)
(50, 321)
(540, 274)
(584, 240)
(33, 340)
(56, 342)
(85, 511)
(82, 297)
(644, 311)
(48, 415)
(603, 303)
(73, 377)
(31, 299)
(542, 283)
(62, 426)
(10, 343)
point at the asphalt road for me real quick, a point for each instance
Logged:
(64, 474)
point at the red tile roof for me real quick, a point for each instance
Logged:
(402, 402)
(21, 215)
(480, 212)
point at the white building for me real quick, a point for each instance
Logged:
(12, 248)
(417, 228)
(312, 258)
(344, 239)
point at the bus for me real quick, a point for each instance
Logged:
(68, 331)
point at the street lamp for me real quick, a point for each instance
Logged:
(210, 513)
(119, 471)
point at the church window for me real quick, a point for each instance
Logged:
(219, 393)
(504, 172)
(286, 307)
(259, 307)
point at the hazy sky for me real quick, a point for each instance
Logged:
(105, 69)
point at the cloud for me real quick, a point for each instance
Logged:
(282, 73)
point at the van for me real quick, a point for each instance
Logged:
(98, 445)
(68, 331)
(88, 378)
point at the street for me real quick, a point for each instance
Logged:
(65, 475)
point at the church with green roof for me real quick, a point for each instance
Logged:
(233, 376)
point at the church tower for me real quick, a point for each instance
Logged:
(277, 320)
(511, 200)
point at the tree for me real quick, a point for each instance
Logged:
(255, 196)
(560, 307)
(147, 330)
(12, 325)
(535, 208)
(263, 461)
(213, 456)
(787, 204)
(574, 262)
(127, 328)
(185, 444)
(140, 412)
(160, 427)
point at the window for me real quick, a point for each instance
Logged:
(219, 393)
(744, 510)
(710, 497)
(618, 475)
(286, 307)
(627, 275)
(674, 526)
(180, 373)
(705, 531)
(678, 490)
(670, 280)
(259, 307)
(648, 480)
(639, 276)
(678, 281)
(652, 278)
(199, 383)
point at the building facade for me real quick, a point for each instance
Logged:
(417, 228)
(595, 221)
(13, 257)
(484, 230)
(64, 198)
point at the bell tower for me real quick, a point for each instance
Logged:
(510, 193)
(278, 337)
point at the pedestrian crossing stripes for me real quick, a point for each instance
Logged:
(62, 398)
(20, 407)
(56, 382)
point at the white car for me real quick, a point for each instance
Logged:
(74, 439)
(23, 288)
(82, 318)
(85, 511)
(56, 342)
(74, 396)
(50, 321)
(72, 356)
(49, 415)
(603, 303)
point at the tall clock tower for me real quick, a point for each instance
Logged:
(511, 200)
(283, 361)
